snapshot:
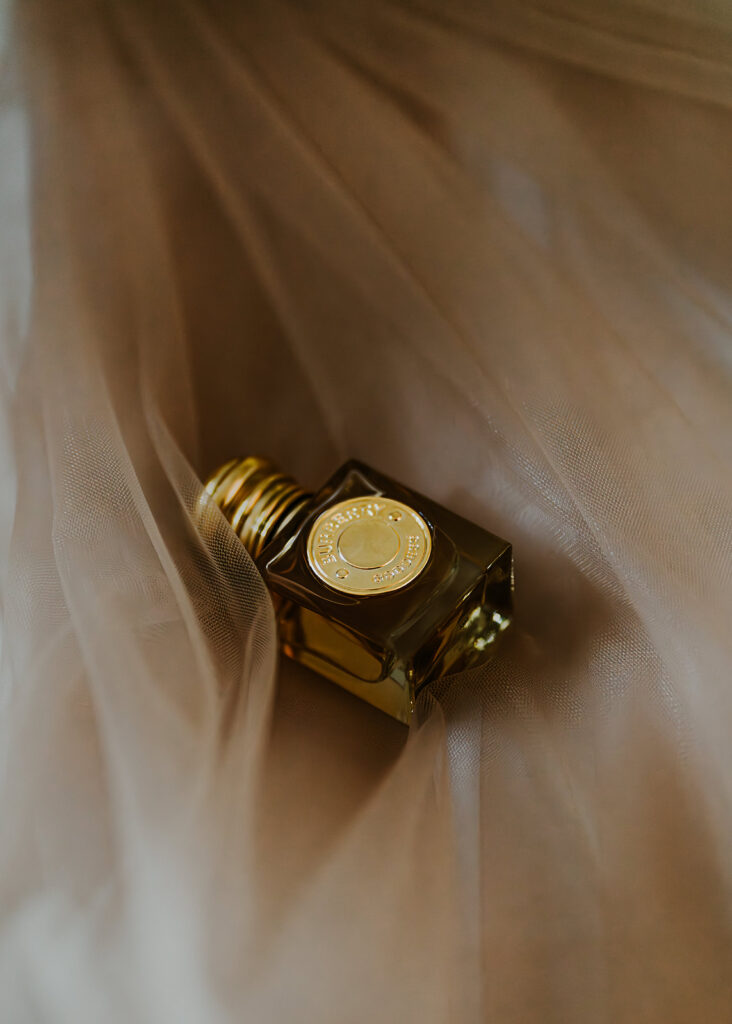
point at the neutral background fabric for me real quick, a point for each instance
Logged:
(485, 247)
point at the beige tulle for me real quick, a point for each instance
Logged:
(486, 248)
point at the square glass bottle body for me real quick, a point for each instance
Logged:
(385, 646)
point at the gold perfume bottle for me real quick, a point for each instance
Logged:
(375, 586)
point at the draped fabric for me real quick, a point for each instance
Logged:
(486, 248)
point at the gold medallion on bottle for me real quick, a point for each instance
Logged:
(370, 545)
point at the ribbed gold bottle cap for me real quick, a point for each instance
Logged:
(257, 499)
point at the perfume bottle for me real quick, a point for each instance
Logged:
(374, 586)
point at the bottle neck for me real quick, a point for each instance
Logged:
(257, 499)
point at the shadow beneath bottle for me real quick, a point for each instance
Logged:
(563, 625)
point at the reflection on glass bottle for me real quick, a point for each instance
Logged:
(375, 586)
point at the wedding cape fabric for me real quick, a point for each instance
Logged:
(484, 247)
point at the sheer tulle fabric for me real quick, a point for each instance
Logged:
(483, 247)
